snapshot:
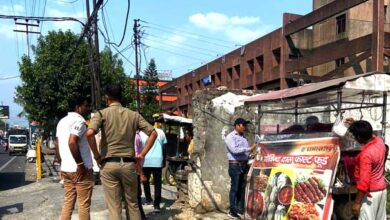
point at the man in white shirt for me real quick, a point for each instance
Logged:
(76, 160)
(153, 164)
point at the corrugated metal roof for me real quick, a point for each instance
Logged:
(308, 89)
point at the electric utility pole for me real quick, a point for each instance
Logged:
(136, 45)
(90, 59)
(97, 59)
(27, 31)
(86, 32)
(94, 59)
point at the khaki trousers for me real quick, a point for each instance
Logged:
(374, 208)
(120, 179)
(82, 191)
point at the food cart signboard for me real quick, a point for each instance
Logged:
(292, 179)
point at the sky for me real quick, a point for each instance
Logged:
(179, 35)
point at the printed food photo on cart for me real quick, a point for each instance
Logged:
(292, 179)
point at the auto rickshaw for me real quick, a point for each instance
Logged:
(175, 151)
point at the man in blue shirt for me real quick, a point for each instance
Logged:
(153, 164)
(238, 150)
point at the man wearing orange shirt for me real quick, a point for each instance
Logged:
(370, 202)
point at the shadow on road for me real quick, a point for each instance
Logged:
(167, 202)
(10, 180)
(11, 209)
(165, 212)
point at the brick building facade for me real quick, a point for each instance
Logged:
(338, 38)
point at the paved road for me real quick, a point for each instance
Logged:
(11, 171)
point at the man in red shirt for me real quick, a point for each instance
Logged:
(370, 202)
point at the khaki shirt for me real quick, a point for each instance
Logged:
(118, 127)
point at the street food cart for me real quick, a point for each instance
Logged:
(302, 170)
(176, 148)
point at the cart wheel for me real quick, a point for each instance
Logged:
(170, 179)
(169, 175)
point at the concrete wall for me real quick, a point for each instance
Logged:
(209, 183)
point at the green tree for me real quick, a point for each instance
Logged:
(44, 90)
(150, 89)
(113, 73)
(150, 104)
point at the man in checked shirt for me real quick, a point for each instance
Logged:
(238, 154)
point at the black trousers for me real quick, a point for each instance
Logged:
(157, 175)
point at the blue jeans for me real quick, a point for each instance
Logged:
(237, 173)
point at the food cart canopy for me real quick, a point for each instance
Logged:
(372, 82)
(173, 120)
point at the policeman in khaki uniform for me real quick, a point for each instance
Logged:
(118, 127)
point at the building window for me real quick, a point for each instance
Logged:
(187, 90)
(198, 84)
(206, 80)
(340, 24)
(230, 74)
(340, 62)
(219, 77)
(385, 14)
(260, 62)
(213, 80)
(276, 53)
(237, 70)
(251, 65)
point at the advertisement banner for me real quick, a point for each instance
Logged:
(292, 179)
(4, 112)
